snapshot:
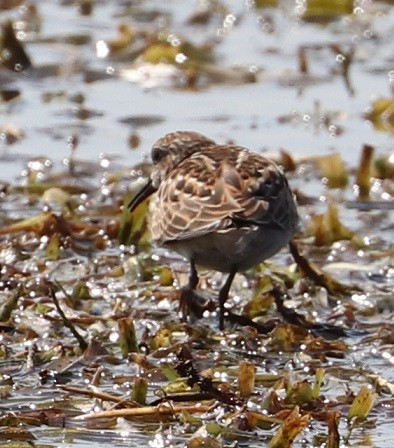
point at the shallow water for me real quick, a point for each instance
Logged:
(248, 114)
(305, 115)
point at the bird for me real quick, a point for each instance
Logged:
(221, 206)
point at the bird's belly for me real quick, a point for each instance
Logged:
(238, 249)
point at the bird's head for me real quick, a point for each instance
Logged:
(171, 149)
(166, 154)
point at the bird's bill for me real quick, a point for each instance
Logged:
(143, 194)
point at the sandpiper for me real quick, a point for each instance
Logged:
(223, 207)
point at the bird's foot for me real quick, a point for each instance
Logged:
(194, 304)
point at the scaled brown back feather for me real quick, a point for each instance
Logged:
(216, 188)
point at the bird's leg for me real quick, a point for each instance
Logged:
(223, 296)
(188, 292)
(193, 277)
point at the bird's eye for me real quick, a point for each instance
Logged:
(157, 155)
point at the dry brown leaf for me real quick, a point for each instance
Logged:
(290, 428)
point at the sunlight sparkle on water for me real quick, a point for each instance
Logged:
(376, 186)
(105, 190)
(104, 163)
(7, 256)
(228, 24)
(388, 356)
(180, 58)
(222, 376)
(362, 299)
(206, 314)
(358, 10)
(236, 299)
(300, 7)
(39, 164)
(125, 433)
(102, 49)
(161, 440)
(323, 198)
(174, 40)
(114, 336)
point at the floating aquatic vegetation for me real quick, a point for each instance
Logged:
(383, 167)
(343, 59)
(294, 423)
(134, 140)
(362, 404)
(9, 305)
(143, 120)
(86, 7)
(333, 169)
(8, 95)
(10, 4)
(381, 114)
(127, 36)
(363, 178)
(12, 54)
(323, 11)
(10, 134)
(133, 228)
(266, 3)
(327, 228)
(246, 379)
(360, 408)
(127, 337)
(170, 60)
(316, 120)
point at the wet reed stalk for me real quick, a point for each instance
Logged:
(363, 179)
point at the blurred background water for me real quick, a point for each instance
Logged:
(254, 92)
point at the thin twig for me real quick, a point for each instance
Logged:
(147, 410)
(97, 394)
(81, 341)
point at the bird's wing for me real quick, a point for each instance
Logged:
(212, 191)
(191, 201)
(265, 198)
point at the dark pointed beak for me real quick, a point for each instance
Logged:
(143, 194)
